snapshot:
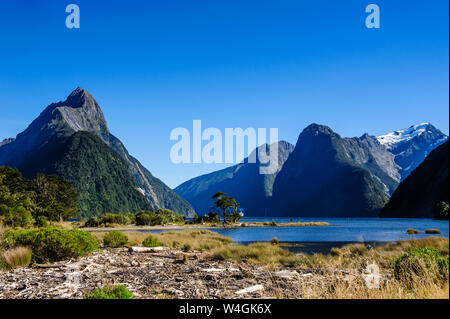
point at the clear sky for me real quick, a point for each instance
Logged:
(157, 65)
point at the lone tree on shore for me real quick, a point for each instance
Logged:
(227, 207)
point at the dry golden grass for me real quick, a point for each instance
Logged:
(354, 258)
(192, 239)
(16, 257)
(355, 287)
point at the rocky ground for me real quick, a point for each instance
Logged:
(169, 273)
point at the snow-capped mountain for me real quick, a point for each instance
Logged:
(411, 145)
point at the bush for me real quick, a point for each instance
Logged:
(432, 231)
(411, 231)
(208, 218)
(422, 263)
(50, 244)
(17, 217)
(187, 247)
(109, 292)
(151, 241)
(110, 219)
(92, 222)
(16, 257)
(41, 221)
(275, 241)
(114, 239)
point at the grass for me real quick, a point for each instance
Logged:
(15, 257)
(354, 259)
(109, 292)
(183, 239)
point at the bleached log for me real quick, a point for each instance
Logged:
(138, 249)
(249, 289)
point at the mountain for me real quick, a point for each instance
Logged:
(243, 181)
(327, 176)
(99, 174)
(6, 141)
(80, 112)
(410, 146)
(418, 195)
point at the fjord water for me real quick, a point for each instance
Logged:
(341, 230)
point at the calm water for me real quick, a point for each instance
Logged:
(341, 230)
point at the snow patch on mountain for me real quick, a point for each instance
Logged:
(403, 135)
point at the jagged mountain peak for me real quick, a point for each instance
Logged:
(316, 129)
(80, 98)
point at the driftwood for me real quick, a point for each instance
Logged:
(138, 249)
(41, 266)
(249, 289)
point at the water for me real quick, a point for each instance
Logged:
(341, 230)
(321, 239)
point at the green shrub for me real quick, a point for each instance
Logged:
(109, 292)
(114, 239)
(187, 247)
(92, 222)
(109, 219)
(51, 243)
(41, 221)
(151, 241)
(273, 223)
(17, 217)
(422, 263)
(275, 241)
(411, 231)
(432, 231)
(161, 217)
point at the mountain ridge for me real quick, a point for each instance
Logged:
(81, 112)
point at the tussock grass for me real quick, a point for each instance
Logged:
(183, 239)
(256, 253)
(15, 257)
(425, 261)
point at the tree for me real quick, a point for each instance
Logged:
(226, 206)
(55, 197)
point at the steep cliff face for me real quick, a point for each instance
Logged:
(323, 177)
(243, 181)
(80, 112)
(418, 195)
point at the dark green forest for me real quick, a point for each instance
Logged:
(98, 174)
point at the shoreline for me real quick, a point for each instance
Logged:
(202, 226)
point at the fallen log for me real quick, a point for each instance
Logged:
(249, 289)
(138, 249)
(43, 266)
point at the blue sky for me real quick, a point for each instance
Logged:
(157, 65)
